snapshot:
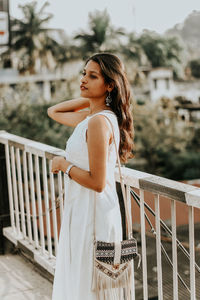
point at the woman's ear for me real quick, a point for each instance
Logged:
(110, 87)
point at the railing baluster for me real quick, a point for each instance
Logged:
(158, 247)
(60, 192)
(46, 199)
(174, 249)
(10, 191)
(26, 187)
(144, 255)
(64, 186)
(55, 230)
(192, 254)
(20, 188)
(34, 217)
(128, 195)
(15, 192)
(39, 201)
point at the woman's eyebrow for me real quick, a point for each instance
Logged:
(92, 71)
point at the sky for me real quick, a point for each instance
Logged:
(133, 15)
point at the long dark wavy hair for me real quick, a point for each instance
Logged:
(113, 72)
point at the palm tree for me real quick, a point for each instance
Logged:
(31, 41)
(102, 36)
(134, 57)
(132, 50)
(160, 51)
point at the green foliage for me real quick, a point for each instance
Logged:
(102, 36)
(183, 165)
(169, 147)
(195, 67)
(29, 119)
(32, 42)
(160, 51)
(133, 49)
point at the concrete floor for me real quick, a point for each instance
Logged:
(20, 281)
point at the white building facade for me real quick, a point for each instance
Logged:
(162, 85)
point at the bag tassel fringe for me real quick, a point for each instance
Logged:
(113, 289)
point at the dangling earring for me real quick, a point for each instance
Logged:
(108, 99)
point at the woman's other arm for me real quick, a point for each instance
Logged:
(67, 112)
(98, 139)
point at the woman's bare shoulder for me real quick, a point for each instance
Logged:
(99, 125)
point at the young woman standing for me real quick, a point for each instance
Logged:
(89, 167)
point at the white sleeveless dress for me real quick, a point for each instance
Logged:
(74, 262)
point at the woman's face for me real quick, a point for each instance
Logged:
(92, 82)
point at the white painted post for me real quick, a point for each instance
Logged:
(34, 216)
(144, 255)
(55, 230)
(20, 188)
(192, 254)
(158, 247)
(60, 192)
(128, 196)
(46, 90)
(15, 192)
(10, 191)
(26, 187)
(174, 249)
(46, 200)
(39, 200)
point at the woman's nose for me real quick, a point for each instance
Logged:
(83, 79)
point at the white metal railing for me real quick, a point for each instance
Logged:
(35, 219)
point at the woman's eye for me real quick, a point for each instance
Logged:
(91, 76)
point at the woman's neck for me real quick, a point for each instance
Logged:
(96, 109)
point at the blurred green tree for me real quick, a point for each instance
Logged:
(160, 51)
(32, 41)
(102, 36)
(169, 147)
(135, 58)
(132, 49)
(29, 119)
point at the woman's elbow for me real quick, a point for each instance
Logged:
(100, 187)
(49, 112)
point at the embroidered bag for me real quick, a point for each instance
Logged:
(113, 265)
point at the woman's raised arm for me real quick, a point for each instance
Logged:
(67, 112)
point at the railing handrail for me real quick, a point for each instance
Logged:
(172, 189)
(42, 150)
(175, 190)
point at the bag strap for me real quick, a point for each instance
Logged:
(128, 218)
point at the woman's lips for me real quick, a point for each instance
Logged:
(83, 88)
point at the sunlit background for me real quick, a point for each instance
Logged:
(137, 15)
(43, 46)
(43, 49)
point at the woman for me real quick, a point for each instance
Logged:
(89, 167)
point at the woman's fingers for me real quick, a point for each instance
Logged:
(54, 171)
(55, 165)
